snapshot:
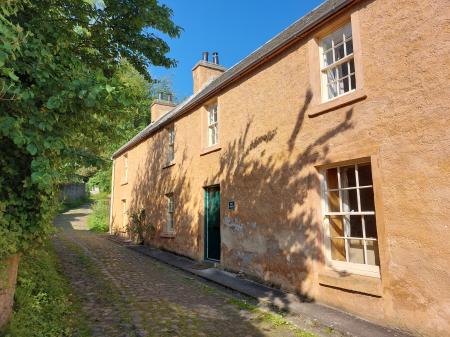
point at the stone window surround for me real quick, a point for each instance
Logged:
(170, 159)
(170, 216)
(347, 267)
(205, 148)
(125, 162)
(318, 106)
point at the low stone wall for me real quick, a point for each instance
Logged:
(72, 192)
(8, 277)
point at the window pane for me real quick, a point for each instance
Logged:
(328, 58)
(348, 176)
(341, 87)
(337, 36)
(333, 201)
(352, 66)
(331, 75)
(371, 228)
(349, 200)
(336, 225)
(339, 52)
(364, 174)
(326, 43)
(343, 70)
(349, 46)
(332, 180)
(338, 249)
(352, 82)
(346, 84)
(367, 202)
(347, 30)
(356, 251)
(332, 90)
(373, 257)
(356, 226)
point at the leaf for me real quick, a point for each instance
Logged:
(32, 149)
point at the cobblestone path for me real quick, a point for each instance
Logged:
(124, 293)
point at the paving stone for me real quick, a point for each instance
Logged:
(124, 293)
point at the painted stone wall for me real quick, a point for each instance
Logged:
(272, 146)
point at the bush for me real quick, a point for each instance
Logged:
(139, 227)
(98, 220)
(44, 305)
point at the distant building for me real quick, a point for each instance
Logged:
(319, 163)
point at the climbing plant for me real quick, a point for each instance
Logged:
(63, 89)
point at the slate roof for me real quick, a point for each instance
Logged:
(290, 34)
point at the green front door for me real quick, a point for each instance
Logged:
(212, 223)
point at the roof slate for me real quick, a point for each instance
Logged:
(293, 32)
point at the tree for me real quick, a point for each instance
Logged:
(65, 86)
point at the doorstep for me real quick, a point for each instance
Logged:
(328, 317)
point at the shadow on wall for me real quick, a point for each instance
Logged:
(153, 182)
(275, 236)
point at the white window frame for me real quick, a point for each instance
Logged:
(171, 145)
(124, 213)
(346, 266)
(213, 125)
(333, 67)
(125, 168)
(170, 222)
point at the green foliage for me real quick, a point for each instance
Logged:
(139, 227)
(44, 305)
(98, 220)
(71, 204)
(68, 86)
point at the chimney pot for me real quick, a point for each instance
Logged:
(169, 97)
(160, 95)
(205, 56)
(215, 57)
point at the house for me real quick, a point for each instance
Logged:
(319, 163)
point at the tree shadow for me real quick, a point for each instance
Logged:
(275, 234)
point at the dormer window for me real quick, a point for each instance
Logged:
(337, 64)
(213, 131)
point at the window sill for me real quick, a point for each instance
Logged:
(168, 165)
(357, 283)
(167, 235)
(210, 149)
(339, 102)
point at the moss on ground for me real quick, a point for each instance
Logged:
(269, 317)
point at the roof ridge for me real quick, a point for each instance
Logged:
(286, 36)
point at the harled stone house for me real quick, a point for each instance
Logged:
(319, 163)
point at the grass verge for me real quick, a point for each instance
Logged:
(269, 317)
(98, 220)
(44, 303)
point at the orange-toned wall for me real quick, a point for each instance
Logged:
(270, 150)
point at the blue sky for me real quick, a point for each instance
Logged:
(233, 28)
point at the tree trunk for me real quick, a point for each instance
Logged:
(8, 277)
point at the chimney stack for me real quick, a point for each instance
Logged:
(215, 57)
(204, 71)
(161, 105)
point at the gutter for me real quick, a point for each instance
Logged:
(215, 86)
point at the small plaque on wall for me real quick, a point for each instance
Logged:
(231, 205)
